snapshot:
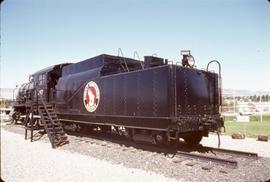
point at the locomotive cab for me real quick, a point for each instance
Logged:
(45, 81)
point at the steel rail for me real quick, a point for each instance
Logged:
(230, 162)
(237, 152)
(227, 162)
(223, 161)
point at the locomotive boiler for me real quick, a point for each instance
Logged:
(150, 101)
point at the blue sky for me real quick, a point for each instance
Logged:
(36, 34)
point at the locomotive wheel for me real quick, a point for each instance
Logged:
(193, 139)
(127, 133)
(123, 131)
(173, 143)
(85, 128)
(160, 138)
(104, 129)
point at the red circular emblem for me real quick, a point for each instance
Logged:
(91, 96)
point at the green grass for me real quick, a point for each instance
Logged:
(253, 128)
(265, 118)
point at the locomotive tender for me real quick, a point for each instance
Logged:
(151, 100)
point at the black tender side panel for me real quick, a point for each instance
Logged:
(197, 92)
(140, 93)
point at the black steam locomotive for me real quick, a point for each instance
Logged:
(150, 101)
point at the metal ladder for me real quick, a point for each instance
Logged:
(52, 125)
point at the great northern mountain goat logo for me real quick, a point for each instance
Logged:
(91, 96)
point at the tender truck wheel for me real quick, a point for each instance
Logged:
(193, 139)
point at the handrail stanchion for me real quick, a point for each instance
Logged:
(120, 52)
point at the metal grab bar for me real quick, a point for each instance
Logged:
(120, 52)
(219, 77)
(74, 93)
(219, 66)
(136, 54)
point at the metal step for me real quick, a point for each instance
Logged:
(52, 126)
(55, 129)
(63, 137)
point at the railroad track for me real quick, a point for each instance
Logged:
(227, 162)
(235, 152)
(202, 153)
(231, 161)
(217, 155)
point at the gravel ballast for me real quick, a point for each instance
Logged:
(25, 161)
(246, 145)
(130, 158)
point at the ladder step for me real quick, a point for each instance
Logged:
(52, 125)
(48, 118)
(60, 133)
(61, 143)
(51, 114)
(56, 129)
(57, 124)
(54, 119)
(58, 138)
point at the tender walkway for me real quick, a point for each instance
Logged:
(248, 144)
(25, 161)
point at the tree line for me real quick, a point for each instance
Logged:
(253, 98)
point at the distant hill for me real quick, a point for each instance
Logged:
(242, 92)
(6, 93)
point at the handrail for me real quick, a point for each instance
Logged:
(74, 93)
(219, 66)
(220, 79)
(136, 53)
(120, 52)
(177, 62)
